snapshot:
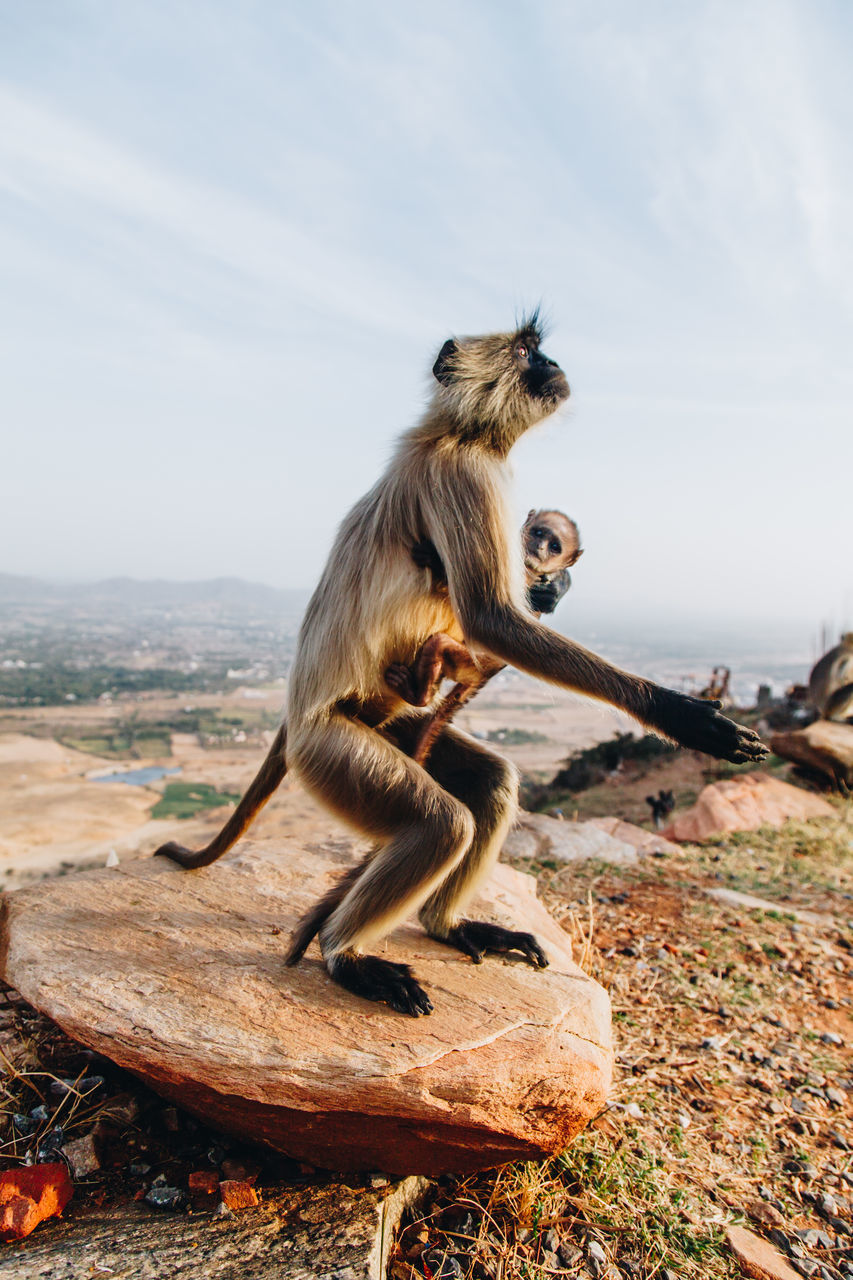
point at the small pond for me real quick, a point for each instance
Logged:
(139, 777)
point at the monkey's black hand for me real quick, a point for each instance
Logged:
(698, 724)
(377, 979)
(476, 937)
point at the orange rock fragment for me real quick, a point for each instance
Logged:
(204, 1182)
(29, 1195)
(237, 1195)
(757, 1257)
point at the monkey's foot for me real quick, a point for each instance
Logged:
(376, 979)
(475, 937)
(400, 680)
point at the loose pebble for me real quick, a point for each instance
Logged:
(596, 1252)
(82, 1156)
(238, 1195)
(165, 1197)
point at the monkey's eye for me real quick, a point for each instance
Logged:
(554, 547)
(521, 351)
(538, 533)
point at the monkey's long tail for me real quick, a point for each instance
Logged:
(312, 922)
(259, 791)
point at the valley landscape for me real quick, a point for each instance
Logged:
(133, 713)
(181, 686)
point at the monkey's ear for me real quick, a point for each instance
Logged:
(577, 555)
(530, 514)
(442, 371)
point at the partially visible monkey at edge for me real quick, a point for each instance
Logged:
(551, 543)
(439, 828)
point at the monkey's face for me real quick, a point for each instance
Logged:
(496, 387)
(542, 377)
(551, 541)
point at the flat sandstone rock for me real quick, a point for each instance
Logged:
(179, 977)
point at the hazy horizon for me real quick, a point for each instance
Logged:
(712, 635)
(234, 237)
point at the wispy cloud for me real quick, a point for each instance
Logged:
(235, 241)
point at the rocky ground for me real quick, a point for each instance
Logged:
(731, 1104)
(734, 1077)
(732, 1026)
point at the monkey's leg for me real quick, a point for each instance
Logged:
(313, 920)
(259, 791)
(372, 785)
(488, 786)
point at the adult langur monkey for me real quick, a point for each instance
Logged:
(550, 542)
(439, 828)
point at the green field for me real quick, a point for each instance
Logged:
(186, 799)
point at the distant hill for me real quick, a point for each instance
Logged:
(229, 594)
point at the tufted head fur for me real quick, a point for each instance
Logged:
(492, 389)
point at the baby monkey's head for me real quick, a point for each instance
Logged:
(551, 543)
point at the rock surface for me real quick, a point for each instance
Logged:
(179, 977)
(824, 747)
(645, 842)
(331, 1232)
(745, 803)
(535, 835)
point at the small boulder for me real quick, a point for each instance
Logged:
(823, 747)
(29, 1195)
(745, 803)
(645, 842)
(179, 977)
(535, 835)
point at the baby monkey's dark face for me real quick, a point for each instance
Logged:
(551, 542)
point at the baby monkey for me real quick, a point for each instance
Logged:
(551, 544)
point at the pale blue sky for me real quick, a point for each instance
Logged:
(232, 236)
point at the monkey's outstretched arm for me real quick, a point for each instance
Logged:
(516, 638)
(259, 791)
